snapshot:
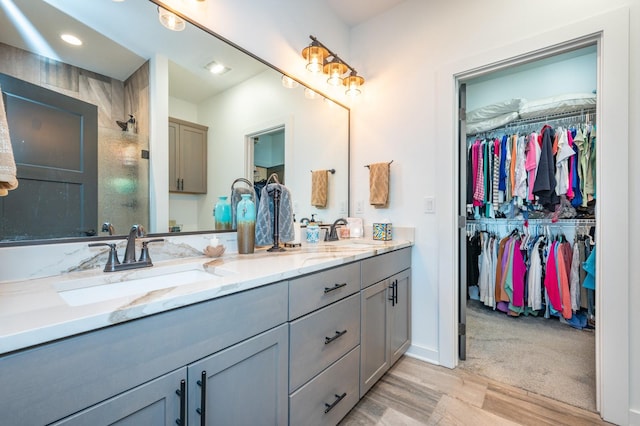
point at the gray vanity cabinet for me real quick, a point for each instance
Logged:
(385, 314)
(153, 403)
(118, 364)
(324, 345)
(243, 385)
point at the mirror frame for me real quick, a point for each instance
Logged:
(212, 231)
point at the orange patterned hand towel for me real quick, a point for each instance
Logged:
(8, 180)
(319, 188)
(379, 184)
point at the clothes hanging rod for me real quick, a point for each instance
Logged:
(545, 222)
(533, 121)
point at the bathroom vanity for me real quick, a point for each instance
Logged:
(293, 338)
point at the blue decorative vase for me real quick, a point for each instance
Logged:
(222, 214)
(246, 222)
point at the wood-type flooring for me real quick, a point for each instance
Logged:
(414, 392)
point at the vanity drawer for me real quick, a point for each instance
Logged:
(319, 339)
(314, 291)
(326, 399)
(376, 269)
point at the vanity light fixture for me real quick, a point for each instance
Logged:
(217, 68)
(353, 83)
(288, 82)
(311, 94)
(170, 20)
(315, 55)
(334, 67)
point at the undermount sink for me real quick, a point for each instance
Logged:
(88, 293)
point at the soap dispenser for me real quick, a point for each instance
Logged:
(313, 231)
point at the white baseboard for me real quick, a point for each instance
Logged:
(424, 354)
(634, 417)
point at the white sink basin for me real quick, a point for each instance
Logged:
(96, 293)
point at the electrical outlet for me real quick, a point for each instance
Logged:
(343, 207)
(360, 207)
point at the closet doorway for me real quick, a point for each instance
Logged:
(515, 335)
(265, 154)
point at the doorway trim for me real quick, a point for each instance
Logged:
(611, 31)
(269, 126)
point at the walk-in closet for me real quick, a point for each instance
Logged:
(527, 183)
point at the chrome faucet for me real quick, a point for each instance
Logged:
(332, 235)
(130, 252)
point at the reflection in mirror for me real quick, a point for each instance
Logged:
(235, 107)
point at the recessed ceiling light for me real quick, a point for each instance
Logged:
(217, 68)
(71, 39)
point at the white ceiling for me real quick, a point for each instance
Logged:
(354, 12)
(119, 37)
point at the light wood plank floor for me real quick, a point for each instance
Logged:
(418, 393)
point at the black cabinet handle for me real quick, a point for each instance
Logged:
(181, 184)
(395, 291)
(178, 184)
(335, 287)
(334, 337)
(392, 287)
(203, 398)
(334, 403)
(182, 393)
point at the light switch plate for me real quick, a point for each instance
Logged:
(429, 204)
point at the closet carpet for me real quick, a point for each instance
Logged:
(414, 392)
(539, 355)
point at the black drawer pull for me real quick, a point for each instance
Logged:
(392, 287)
(334, 403)
(203, 396)
(335, 287)
(182, 393)
(334, 337)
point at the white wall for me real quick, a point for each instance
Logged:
(573, 72)
(397, 118)
(310, 144)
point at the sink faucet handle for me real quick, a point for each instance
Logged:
(144, 253)
(112, 260)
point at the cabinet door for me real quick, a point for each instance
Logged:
(246, 384)
(374, 338)
(193, 159)
(157, 402)
(174, 157)
(400, 314)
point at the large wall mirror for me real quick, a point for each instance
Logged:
(130, 65)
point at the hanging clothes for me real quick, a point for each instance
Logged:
(545, 184)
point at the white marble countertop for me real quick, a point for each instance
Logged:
(41, 310)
